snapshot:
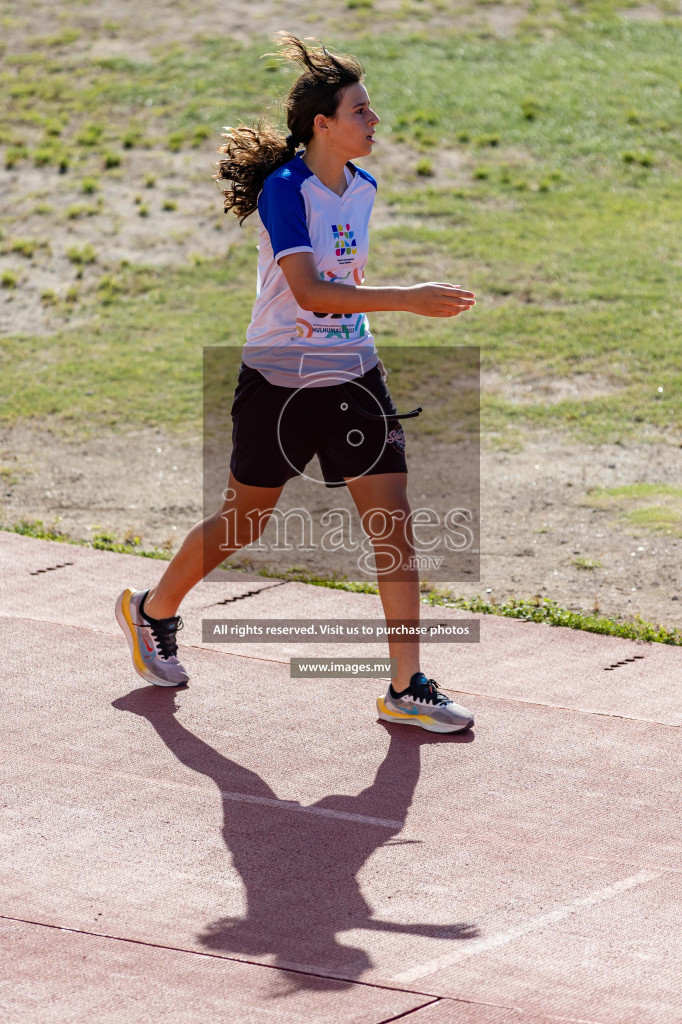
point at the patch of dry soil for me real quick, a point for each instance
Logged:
(536, 516)
(128, 29)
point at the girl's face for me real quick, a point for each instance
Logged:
(351, 131)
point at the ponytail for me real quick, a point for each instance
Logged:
(251, 154)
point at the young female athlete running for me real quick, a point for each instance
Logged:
(307, 376)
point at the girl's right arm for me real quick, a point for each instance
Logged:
(431, 299)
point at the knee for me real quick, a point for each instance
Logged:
(238, 528)
(384, 526)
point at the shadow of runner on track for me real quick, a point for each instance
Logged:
(299, 868)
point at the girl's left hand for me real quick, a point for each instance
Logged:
(383, 371)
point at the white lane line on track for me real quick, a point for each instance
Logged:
(485, 945)
(327, 812)
(246, 798)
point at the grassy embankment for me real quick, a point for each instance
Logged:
(563, 218)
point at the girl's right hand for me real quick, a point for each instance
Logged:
(438, 299)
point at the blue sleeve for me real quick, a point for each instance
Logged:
(366, 175)
(282, 211)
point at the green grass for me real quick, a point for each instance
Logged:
(581, 88)
(147, 318)
(572, 325)
(26, 247)
(562, 214)
(581, 280)
(632, 504)
(424, 168)
(582, 97)
(100, 541)
(78, 210)
(552, 614)
(587, 563)
(81, 256)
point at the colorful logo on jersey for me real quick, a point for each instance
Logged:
(344, 240)
(331, 275)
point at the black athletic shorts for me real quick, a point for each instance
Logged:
(350, 426)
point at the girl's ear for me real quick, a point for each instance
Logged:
(320, 122)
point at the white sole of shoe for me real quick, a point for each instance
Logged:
(385, 716)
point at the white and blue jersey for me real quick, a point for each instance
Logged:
(291, 346)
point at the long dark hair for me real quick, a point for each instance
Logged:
(251, 154)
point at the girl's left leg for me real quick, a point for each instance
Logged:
(384, 509)
(389, 529)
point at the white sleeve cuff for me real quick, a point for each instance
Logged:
(290, 252)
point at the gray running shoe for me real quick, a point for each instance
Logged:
(152, 642)
(424, 705)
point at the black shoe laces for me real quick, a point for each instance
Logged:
(164, 632)
(427, 690)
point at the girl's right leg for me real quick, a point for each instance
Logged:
(148, 618)
(239, 521)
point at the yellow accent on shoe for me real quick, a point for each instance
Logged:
(133, 643)
(406, 717)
